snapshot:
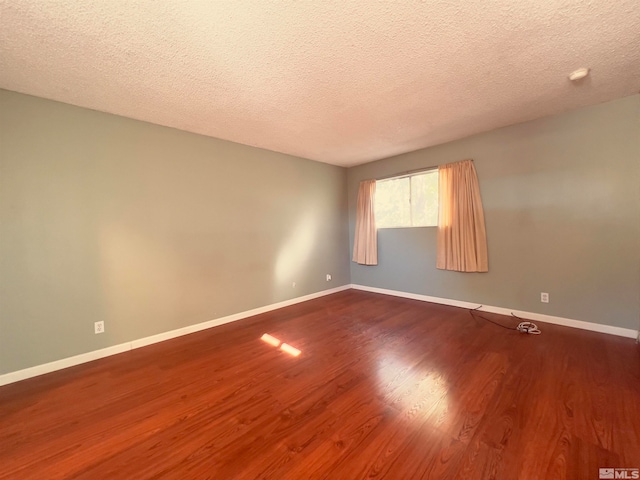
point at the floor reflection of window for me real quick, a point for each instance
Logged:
(285, 347)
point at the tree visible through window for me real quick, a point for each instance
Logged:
(407, 201)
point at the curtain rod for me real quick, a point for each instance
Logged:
(408, 172)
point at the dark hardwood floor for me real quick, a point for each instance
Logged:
(384, 388)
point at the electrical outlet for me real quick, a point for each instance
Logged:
(98, 327)
(293, 285)
(544, 297)
(328, 277)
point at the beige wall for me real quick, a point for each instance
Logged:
(562, 204)
(149, 229)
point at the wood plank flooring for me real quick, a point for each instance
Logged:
(384, 388)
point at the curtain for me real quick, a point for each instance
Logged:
(462, 238)
(365, 242)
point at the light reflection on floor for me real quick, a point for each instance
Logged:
(290, 350)
(421, 393)
(270, 340)
(285, 347)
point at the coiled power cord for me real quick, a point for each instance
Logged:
(523, 327)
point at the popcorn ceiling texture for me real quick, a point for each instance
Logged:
(342, 82)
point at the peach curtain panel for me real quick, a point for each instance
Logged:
(365, 242)
(462, 237)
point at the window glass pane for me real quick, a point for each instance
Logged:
(424, 199)
(392, 203)
(410, 201)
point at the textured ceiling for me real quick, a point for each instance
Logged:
(343, 82)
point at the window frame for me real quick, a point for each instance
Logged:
(399, 177)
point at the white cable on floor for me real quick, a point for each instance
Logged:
(523, 327)
(528, 327)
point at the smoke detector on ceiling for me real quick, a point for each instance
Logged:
(578, 74)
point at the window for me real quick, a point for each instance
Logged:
(407, 201)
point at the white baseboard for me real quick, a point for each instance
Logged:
(18, 375)
(161, 337)
(567, 322)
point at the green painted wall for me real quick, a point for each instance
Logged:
(562, 204)
(152, 229)
(149, 229)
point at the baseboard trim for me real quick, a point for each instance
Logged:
(38, 370)
(567, 322)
